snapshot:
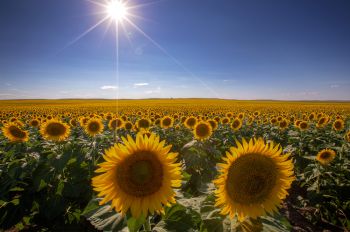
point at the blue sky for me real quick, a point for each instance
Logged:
(240, 49)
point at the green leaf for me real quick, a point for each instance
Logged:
(103, 217)
(134, 224)
(179, 218)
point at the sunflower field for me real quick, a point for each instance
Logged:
(174, 165)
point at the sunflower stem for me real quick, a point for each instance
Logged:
(147, 225)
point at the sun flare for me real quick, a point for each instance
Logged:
(117, 10)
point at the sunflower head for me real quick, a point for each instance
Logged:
(273, 120)
(240, 116)
(115, 124)
(14, 133)
(54, 130)
(34, 122)
(303, 125)
(322, 122)
(236, 124)
(225, 120)
(325, 156)
(213, 123)
(73, 122)
(108, 117)
(283, 124)
(347, 136)
(83, 121)
(138, 175)
(166, 122)
(297, 123)
(128, 125)
(190, 122)
(202, 130)
(253, 180)
(312, 116)
(229, 114)
(143, 123)
(250, 121)
(338, 125)
(94, 127)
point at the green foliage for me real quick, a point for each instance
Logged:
(46, 186)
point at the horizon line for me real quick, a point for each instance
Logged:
(170, 98)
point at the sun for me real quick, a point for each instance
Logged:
(117, 10)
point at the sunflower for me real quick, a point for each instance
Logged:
(143, 123)
(128, 125)
(108, 117)
(202, 130)
(322, 122)
(94, 126)
(213, 124)
(253, 180)
(229, 114)
(312, 116)
(297, 123)
(14, 133)
(273, 121)
(83, 121)
(34, 122)
(240, 116)
(303, 125)
(338, 125)
(190, 122)
(157, 122)
(54, 130)
(166, 122)
(283, 124)
(225, 120)
(115, 124)
(73, 122)
(250, 121)
(325, 156)
(236, 124)
(347, 136)
(138, 175)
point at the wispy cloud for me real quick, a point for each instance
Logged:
(228, 80)
(157, 90)
(302, 94)
(140, 84)
(335, 86)
(108, 87)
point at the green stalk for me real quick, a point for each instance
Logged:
(147, 225)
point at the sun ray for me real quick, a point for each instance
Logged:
(85, 33)
(117, 11)
(172, 57)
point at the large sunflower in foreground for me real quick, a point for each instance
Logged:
(325, 156)
(253, 180)
(14, 133)
(54, 130)
(138, 175)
